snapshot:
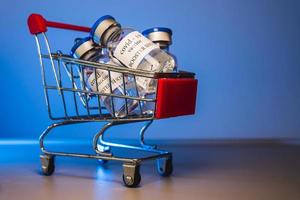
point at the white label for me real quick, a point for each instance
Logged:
(133, 48)
(103, 81)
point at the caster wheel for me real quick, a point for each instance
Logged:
(104, 149)
(164, 166)
(48, 165)
(132, 182)
(131, 176)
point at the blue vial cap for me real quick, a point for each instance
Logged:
(157, 29)
(78, 43)
(101, 19)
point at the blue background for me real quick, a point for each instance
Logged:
(245, 55)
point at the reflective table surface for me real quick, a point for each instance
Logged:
(200, 172)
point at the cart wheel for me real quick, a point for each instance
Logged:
(105, 149)
(48, 165)
(164, 166)
(131, 175)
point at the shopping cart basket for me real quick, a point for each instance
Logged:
(175, 96)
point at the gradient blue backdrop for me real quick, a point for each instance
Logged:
(245, 55)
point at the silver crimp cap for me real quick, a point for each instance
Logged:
(101, 29)
(160, 36)
(83, 48)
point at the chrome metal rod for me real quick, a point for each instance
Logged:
(122, 159)
(37, 41)
(99, 93)
(97, 89)
(113, 68)
(142, 136)
(96, 138)
(51, 60)
(137, 94)
(143, 147)
(62, 92)
(49, 128)
(112, 99)
(100, 155)
(162, 155)
(70, 74)
(140, 148)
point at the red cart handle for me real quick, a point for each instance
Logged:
(38, 24)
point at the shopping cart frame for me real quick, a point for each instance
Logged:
(131, 166)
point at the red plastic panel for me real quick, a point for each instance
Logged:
(176, 97)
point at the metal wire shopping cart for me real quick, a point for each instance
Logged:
(175, 96)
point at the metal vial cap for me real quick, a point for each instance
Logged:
(159, 34)
(82, 45)
(101, 26)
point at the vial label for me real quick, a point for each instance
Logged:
(133, 48)
(144, 83)
(102, 77)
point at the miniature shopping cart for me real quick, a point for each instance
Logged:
(69, 101)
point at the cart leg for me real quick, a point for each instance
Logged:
(102, 147)
(48, 158)
(106, 145)
(47, 131)
(98, 148)
(131, 174)
(141, 147)
(142, 136)
(165, 166)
